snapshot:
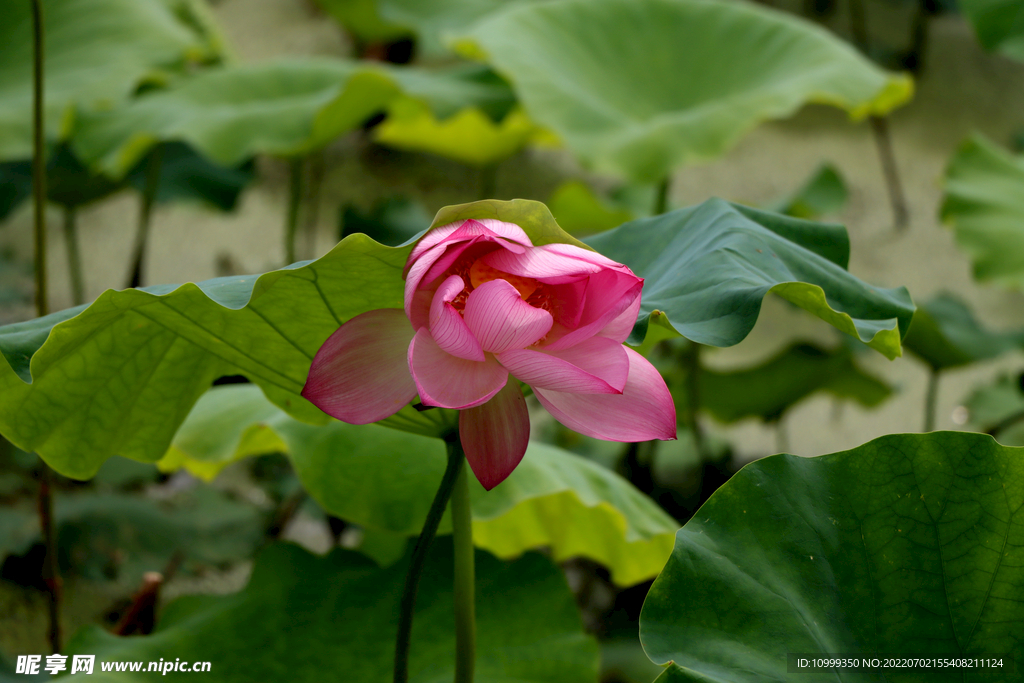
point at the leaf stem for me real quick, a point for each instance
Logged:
(419, 557)
(39, 161)
(465, 589)
(883, 140)
(153, 167)
(291, 225)
(50, 572)
(74, 255)
(661, 196)
(931, 399)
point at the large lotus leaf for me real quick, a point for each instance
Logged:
(911, 544)
(638, 88)
(286, 107)
(945, 334)
(984, 201)
(776, 385)
(998, 408)
(434, 21)
(385, 480)
(362, 19)
(708, 267)
(119, 376)
(451, 89)
(998, 23)
(528, 627)
(97, 53)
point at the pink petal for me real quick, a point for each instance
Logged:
(609, 294)
(496, 434)
(501, 320)
(415, 272)
(445, 233)
(358, 375)
(552, 265)
(419, 310)
(621, 326)
(449, 382)
(447, 327)
(596, 366)
(643, 411)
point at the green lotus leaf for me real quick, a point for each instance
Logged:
(528, 626)
(97, 53)
(945, 334)
(984, 201)
(384, 480)
(708, 267)
(361, 18)
(910, 545)
(581, 212)
(434, 22)
(824, 193)
(285, 108)
(707, 73)
(998, 23)
(119, 376)
(769, 389)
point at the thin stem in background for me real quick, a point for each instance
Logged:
(931, 399)
(50, 571)
(156, 160)
(291, 224)
(465, 588)
(898, 200)
(488, 181)
(691, 361)
(74, 256)
(419, 557)
(39, 161)
(661, 196)
(880, 128)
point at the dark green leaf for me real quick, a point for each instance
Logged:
(708, 267)
(528, 627)
(998, 408)
(910, 544)
(391, 221)
(944, 334)
(581, 212)
(776, 385)
(998, 23)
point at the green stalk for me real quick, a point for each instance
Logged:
(419, 557)
(74, 256)
(931, 399)
(291, 225)
(465, 590)
(156, 160)
(50, 571)
(39, 161)
(661, 197)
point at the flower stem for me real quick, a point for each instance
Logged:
(456, 456)
(488, 181)
(465, 589)
(153, 167)
(74, 255)
(291, 225)
(931, 399)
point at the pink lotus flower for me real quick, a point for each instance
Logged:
(484, 310)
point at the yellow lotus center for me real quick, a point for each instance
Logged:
(480, 273)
